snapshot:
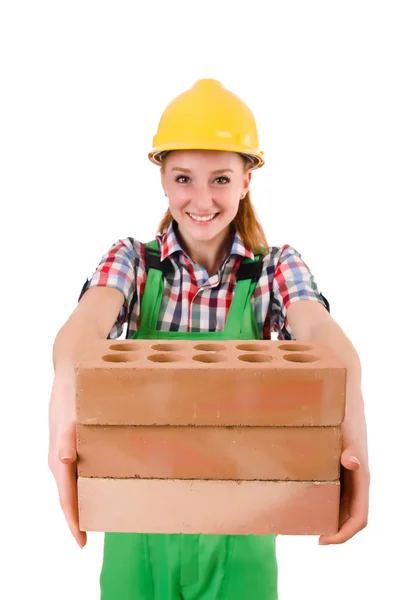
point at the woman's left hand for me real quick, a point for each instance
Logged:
(354, 501)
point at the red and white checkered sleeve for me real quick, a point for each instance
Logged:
(118, 269)
(293, 280)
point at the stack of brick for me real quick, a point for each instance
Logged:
(228, 438)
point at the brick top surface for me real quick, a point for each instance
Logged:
(213, 355)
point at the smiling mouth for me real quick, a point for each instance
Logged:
(203, 219)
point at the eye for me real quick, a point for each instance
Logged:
(222, 180)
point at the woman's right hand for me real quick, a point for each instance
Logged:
(90, 322)
(62, 461)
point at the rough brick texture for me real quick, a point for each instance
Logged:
(224, 507)
(164, 430)
(186, 386)
(294, 453)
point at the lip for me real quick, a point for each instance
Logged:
(202, 223)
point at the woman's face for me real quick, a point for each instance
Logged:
(204, 189)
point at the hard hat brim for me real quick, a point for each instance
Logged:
(157, 155)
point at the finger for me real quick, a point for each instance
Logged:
(345, 493)
(357, 492)
(350, 527)
(67, 489)
(67, 455)
(349, 460)
(67, 445)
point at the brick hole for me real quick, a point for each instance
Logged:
(165, 358)
(300, 358)
(294, 348)
(251, 347)
(210, 347)
(255, 358)
(209, 358)
(166, 347)
(124, 347)
(119, 357)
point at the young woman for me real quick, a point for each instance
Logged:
(191, 282)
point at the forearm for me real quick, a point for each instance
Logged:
(72, 342)
(76, 336)
(354, 430)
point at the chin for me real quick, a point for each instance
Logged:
(206, 235)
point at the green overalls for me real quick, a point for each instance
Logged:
(140, 566)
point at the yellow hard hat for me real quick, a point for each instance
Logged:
(207, 117)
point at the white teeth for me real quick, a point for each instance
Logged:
(197, 218)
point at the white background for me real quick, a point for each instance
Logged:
(83, 85)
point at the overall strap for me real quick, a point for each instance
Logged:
(240, 315)
(154, 286)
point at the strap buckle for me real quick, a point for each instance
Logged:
(250, 270)
(153, 261)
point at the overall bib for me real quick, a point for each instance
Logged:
(140, 566)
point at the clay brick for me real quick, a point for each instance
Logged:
(190, 437)
(243, 453)
(184, 382)
(222, 507)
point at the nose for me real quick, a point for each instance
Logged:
(202, 198)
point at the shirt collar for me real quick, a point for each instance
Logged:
(169, 244)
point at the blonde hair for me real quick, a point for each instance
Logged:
(245, 223)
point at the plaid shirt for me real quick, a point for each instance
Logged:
(192, 301)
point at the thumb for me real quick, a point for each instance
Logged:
(67, 455)
(67, 446)
(349, 460)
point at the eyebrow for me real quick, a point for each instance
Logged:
(213, 172)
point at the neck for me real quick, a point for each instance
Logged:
(209, 255)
